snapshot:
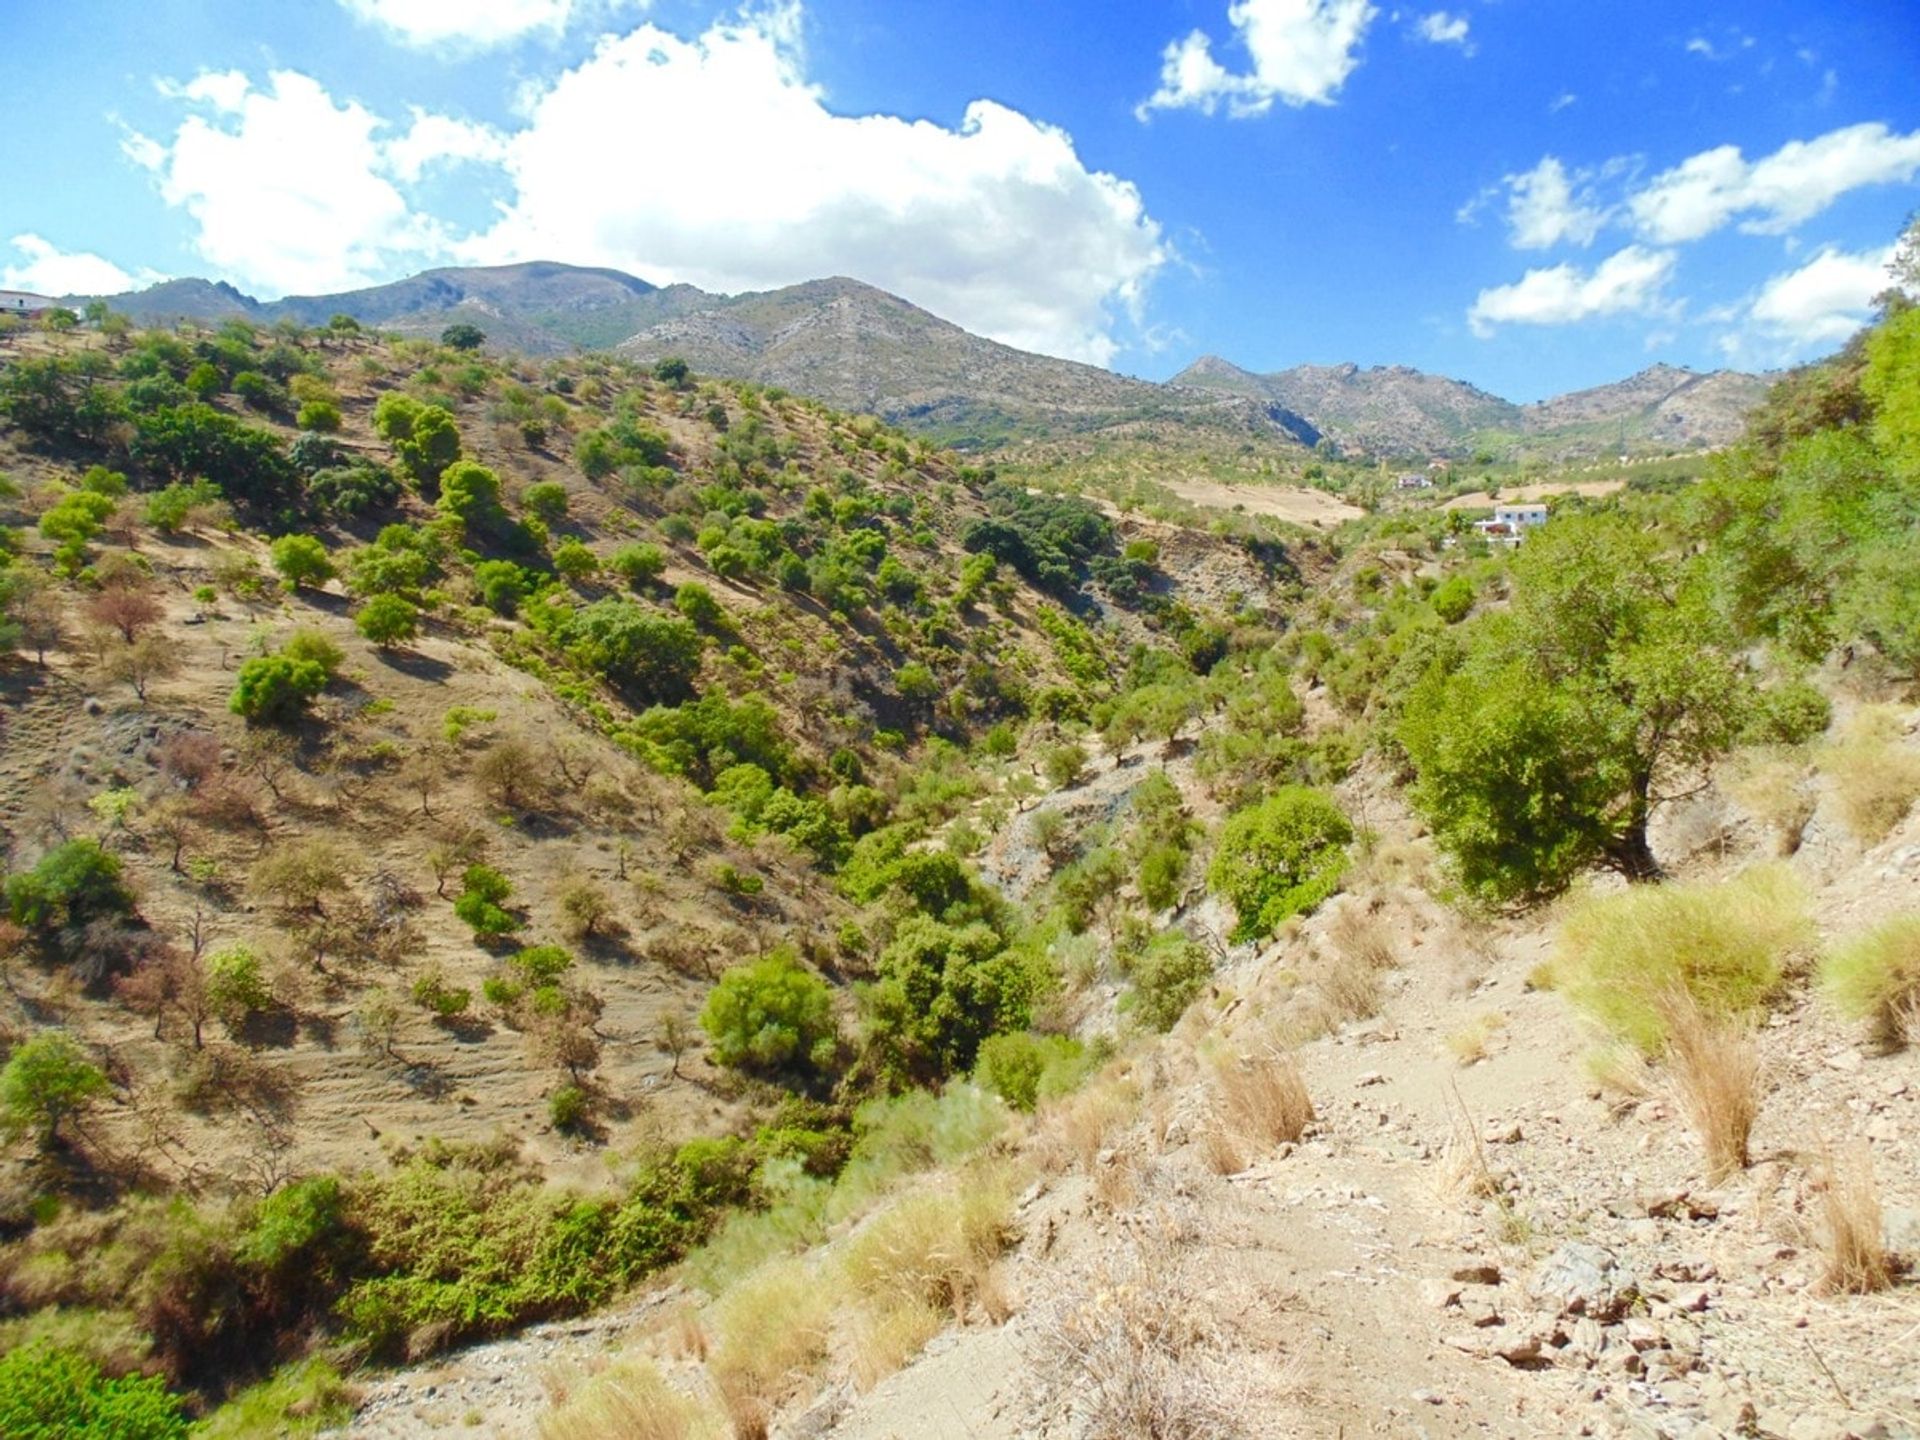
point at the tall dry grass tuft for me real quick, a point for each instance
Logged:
(1076, 1129)
(770, 1335)
(1264, 1097)
(1852, 1229)
(1875, 778)
(1133, 1352)
(1726, 945)
(1875, 977)
(1714, 1067)
(631, 1400)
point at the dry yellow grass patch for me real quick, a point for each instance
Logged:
(1221, 1150)
(1852, 1228)
(883, 1339)
(770, 1336)
(1472, 1042)
(1714, 1067)
(1074, 1131)
(1264, 1098)
(1875, 778)
(633, 1401)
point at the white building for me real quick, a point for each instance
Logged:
(24, 302)
(1519, 517)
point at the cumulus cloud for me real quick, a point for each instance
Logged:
(1775, 193)
(47, 270)
(1630, 281)
(1442, 28)
(1543, 209)
(286, 186)
(1302, 53)
(995, 223)
(463, 24)
(1806, 312)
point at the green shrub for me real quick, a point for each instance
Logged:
(1023, 1068)
(387, 620)
(575, 560)
(302, 1399)
(274, 689)
(301, 560)
(49, 1394)
(546, 501)
(47, 1080)
(319, 415)
(307, 644)
(1790, 713)
(303, 1222)
(502, 585)
(1167, 977)
(479, 905)
(1280, 857)
(168, 509)
(1452, 599)
(71, 886)
(567, 1107)
(942, 990)
(638, 564)
(772, 1015)
(237, 984)
(1876, 977)
(1622, 958)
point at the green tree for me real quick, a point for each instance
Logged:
(53, 1394)
(463, 337)
(638, 564)
(942, 990)
(652, 657)
(772, 1015)
(236, 984)
(274, 689)
(1280, 857)
(672, 371)
(320, 415)
(72, 885)
(1548, 746)
(546, 501)
(47, 1080)
(301, 560)
(387, 620)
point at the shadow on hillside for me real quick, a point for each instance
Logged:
(269, 1030)
(413, 663)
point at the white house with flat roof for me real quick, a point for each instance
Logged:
(24, 302)
(1520, 517)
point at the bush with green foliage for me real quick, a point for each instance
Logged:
(182, 442)
(481, 903)
(502, 585)
(772, 1016)
(169, 508)
(575, 561)
(462, 336)
(941, 991)
(387, 620)
(1280, 857)
(47, 1081)
(1023, 1068)
(301, 560)
(322, 416)
(275, 689)
(1167, 976)
(546, 500)
(638, 564)
(52, 1394)
(74, 884)
(1452, 599)
(652, 658)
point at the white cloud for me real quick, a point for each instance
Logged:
(463, 24)
(1561, 102)
(1776, 193)
(285, 185)
(1442, 28)
(1805, 312)
(1543, 209)
(1631, 281)
(47, 270)
(435, 139)
(995, 224)
(1302, 52)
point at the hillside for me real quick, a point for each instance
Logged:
(1397, 412)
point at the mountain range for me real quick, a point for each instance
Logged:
(859, 348)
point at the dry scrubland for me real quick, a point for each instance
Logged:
(1124, 986)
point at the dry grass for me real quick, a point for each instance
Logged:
(883, 1339)
(937, 1246)
(770, 1334)
(1473, 1042)
(1727, 945)
(1875, 778)
(1714, 1067)
(1221, 1150)
(1264, 1098)
(1852, 1228)
(1076, 1129)
(1876, 977)
(634, 1401)
(1358, 934)
(1134, 1355)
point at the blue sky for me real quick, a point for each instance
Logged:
(1533, 195)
